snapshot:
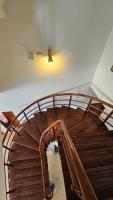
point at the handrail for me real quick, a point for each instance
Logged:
(83, 180)
(71, 100)
(58, 94)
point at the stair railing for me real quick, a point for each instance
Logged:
(71, 100)
(80, 180)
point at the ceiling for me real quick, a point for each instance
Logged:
(77, 29)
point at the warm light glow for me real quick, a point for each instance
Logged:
(50, 68)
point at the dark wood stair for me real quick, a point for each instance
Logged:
(95, 147)
(25, 174)
(92, 139)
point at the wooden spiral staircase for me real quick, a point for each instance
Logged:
(83, 127)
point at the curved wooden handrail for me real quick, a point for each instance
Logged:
(84, 183)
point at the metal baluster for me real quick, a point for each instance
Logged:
(53, 102)
(15, 130)
(87, 107)
(70, 101)
(8, 165)
(109, 115)
(39, 107)
(12, 150)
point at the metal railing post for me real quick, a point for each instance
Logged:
(39, 107)
(87, 107)
(70, 101)
(53, 102)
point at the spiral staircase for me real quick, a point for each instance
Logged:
(83, 128)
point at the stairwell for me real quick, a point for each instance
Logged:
(86, 149)
(55, 172)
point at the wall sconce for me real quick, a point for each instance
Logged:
(31, 54)
(112, 68)
(50, 59)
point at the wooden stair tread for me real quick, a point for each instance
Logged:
(96, 160)
(21, 173)
(34, 162)
(52, 115)
(86, 127)
(19, 148)
(26, 181)
(90, 145)
(74, 119)
(83, 136)
(100, 170)
(66, 113)
(14, 156)
(42, 120)
(102, 182)
(26, 140)
(30, 189)
(35, 196)
(32, 129)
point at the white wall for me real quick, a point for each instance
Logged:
(76, 29)
(16, 99)
(2, 9)
(103, 79)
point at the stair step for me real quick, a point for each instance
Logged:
(21, 173)
(14, 156)
(84, 136)
(26, 141)
(28, 190)
(22, 149)
(26, 181)
(93, 144)
(86, 127)
(52, 115)
(95, 158)
(35, 196)
(65, 113)
(32, 189)
(32, 129)
(42, 120)
(102, 181)
(100, 170)
(24, 164)
(76, 122)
